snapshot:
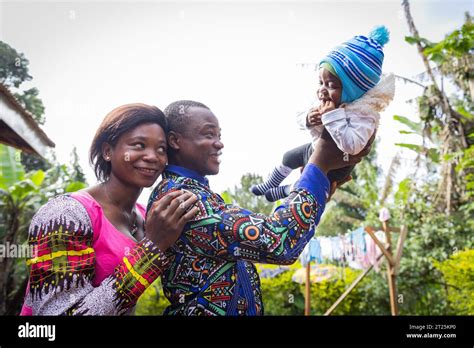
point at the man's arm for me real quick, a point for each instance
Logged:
(234, 233)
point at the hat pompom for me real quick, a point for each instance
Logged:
(380, 34)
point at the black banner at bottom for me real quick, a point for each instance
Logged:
(290, 331)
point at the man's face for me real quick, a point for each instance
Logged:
(330, 88)
(200, 144)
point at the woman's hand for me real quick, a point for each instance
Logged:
(166, 218)
(327, 156)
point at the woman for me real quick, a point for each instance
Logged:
(94, 252)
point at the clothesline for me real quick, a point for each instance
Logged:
(356, 249)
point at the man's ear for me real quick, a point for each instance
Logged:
(106, 151)
(174, 140)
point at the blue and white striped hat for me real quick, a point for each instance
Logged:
(358, 63)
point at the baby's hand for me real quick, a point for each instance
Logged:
(327, 106)
(313, 118)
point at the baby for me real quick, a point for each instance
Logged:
(351, 96)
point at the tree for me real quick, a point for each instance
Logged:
(77, 174)
(452, 59)
(13, 72)
(437, 207)
(30, 101)
(243, 197)
(13, 66)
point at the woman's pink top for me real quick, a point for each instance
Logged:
(109, 244)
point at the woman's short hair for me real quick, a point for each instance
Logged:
(117, 122)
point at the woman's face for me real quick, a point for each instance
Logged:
(139, 157)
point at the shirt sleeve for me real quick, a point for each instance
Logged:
(301, 119)
(232, 233)
(63, 265)
(349, 131)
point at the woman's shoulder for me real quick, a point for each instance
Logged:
(62, 210)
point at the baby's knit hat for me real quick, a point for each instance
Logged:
(358, 63)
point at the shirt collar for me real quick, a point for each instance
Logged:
(188, 173)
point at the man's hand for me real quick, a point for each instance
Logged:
(313, 118)
(336, 184)
(327, 156)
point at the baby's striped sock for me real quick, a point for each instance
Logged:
(274, 180)
(276, 193)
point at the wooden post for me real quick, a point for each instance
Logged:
(307, 296)
(386, 252)
(392, 285)
(401, 241)
(387, 232)
(392, 265)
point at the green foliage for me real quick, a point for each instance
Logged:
(282, 296)
(403, 193)
(243, 197)
(466, 165)
(415, 128)
(13, 72)
(31, 102)
(457, 43)
(227, 197)
(413, 40)
(432, 237)
(453, 54)
(325, 293)
(421, 129)
(13, 66)
(11, 169)
(33, 163)
(458, 273)
(21, 195)
(76, 172)
(153, 301)
(453, 58)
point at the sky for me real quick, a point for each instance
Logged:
(251, 62)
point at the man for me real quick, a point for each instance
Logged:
(212, 271)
